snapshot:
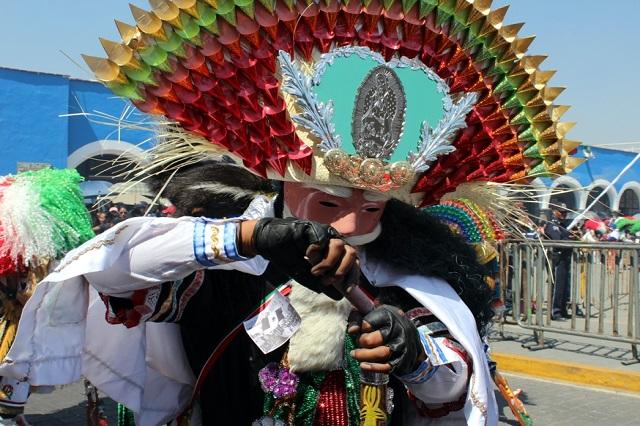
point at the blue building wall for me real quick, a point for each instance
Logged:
(605, 164)
(36, 125)
(94, 98)
(30, 127)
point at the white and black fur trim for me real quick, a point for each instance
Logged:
(211, 188)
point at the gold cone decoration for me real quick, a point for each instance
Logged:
(520, 45)
(189, 6)
(509, 32)
(563, 128)
(471, 42)
(105, 70)
(148, 22)
(568, 146)
(167, 11)
(119, 53)
(129, 33)
(532, 63)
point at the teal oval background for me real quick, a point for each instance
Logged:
(340, 83)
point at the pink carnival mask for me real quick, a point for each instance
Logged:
(355, 213)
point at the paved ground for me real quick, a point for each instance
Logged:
(64, 407)
(564, 348)
(554, 404)
(548, 404)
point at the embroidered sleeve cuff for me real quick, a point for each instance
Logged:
(215, 243)
(435, 354)
(424, 372)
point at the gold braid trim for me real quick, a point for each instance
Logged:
(94, 246)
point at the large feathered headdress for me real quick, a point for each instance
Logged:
(411, 97)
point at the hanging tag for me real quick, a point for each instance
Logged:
(274, 325)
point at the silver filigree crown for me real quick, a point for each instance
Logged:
(378, 120)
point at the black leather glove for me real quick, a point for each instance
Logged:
(284, 242)
(400, 335)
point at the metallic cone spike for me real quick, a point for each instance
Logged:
(539, 170)
(509, 32)
(532, 63)
(518, 78)
(189, 6)
(167, 11)
(549, 134)
(463, 9)
(148, 22)
(408, 4)
(552, 150)
(563, 128)
(540, 78)
(483, 6)
(520, 45)
(474, 15)
(532, 152)
(569, 145)
(128, 32)
(541, 117)
(117, 52)
(570, 163)
(536, 101)
(557, 168)
(496, 17)
(104, 69)
(558, 111)
(549, 94)
(520, 119)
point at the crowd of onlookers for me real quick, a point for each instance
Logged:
(591, 228)
(108, 214)
(614, 229)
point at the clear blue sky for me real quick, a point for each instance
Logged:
(592, 43)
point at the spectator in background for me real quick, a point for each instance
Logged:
(100, 223)
(113, 216)
(123, 212)
(556, 230)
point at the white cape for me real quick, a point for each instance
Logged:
(63, 335)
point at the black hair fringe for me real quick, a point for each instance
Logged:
(416, 242)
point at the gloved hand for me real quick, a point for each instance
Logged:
(389, 342)
(309, 252)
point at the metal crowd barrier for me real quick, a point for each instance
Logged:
(604, 285)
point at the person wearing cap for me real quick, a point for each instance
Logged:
(556, 230)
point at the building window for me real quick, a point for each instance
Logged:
(563, 194)
(629, 203)
(603, 207)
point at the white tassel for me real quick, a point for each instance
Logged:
(29, 231)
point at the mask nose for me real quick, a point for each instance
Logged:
(347, 224)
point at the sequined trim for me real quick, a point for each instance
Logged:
(94, 246)
(475, 400)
